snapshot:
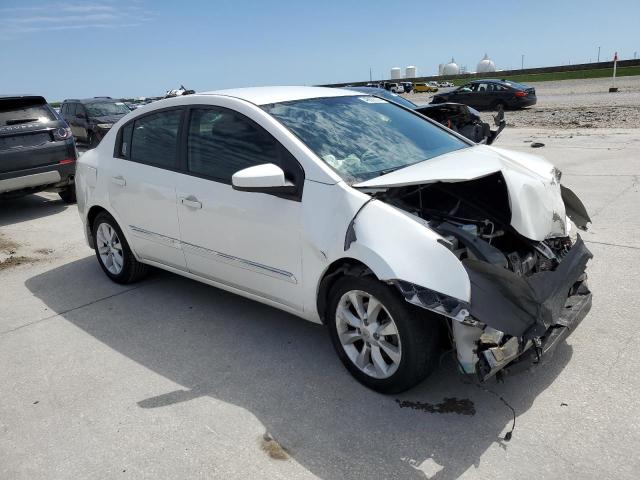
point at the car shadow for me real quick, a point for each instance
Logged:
(283, 370)
(29, 207)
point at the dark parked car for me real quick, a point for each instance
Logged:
(37, 151)
(90, 119)
(490, 94)
(458, 117)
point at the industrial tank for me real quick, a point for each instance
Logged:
(451, 68)
(486, 65)
(410, 72)
(396, 73)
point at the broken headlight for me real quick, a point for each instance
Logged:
(435, 301)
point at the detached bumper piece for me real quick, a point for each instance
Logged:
(530, 314)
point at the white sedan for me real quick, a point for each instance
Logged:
(399, 235)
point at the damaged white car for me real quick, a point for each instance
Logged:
(347, 210)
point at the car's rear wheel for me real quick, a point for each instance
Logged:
(68, 195)
(385, 343)
(113, 251)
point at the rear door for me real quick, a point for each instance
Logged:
(142, 193)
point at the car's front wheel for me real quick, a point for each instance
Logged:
(113, 251)
(387, 344)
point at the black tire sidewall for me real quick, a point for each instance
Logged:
(68, 195)
(419, 334)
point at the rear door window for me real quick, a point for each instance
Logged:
(154, 139)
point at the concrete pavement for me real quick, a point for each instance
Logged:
(169, 378)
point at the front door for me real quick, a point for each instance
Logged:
(246, 240)
(142, 189)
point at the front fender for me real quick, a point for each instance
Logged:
(397, 246)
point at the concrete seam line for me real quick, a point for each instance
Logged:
(613, 244)
(75, 308)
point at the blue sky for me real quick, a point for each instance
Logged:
(144, 47)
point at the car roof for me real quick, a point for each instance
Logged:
(92, 100)
(267, 95)
(21, 95)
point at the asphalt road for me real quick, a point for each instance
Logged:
(169, 378)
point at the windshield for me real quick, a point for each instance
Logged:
(362, 137)
(104, 109)
(386, 94)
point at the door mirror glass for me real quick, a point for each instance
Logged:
(265, 177)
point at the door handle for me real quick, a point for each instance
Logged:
(191, 202)
(119, 180)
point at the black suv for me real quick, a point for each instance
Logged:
(490, 94)
(90, 119)
(37, 151)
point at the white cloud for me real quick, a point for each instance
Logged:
(48, 16)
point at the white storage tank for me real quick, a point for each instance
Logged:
(440, 68)
(486, 65)
(451, 68)
(396, 73)
(410, 72)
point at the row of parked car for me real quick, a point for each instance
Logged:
(408, 87)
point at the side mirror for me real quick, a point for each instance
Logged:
(265, 178)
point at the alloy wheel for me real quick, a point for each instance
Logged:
(109, 248)
(368, 334)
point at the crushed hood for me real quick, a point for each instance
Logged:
(535, 200)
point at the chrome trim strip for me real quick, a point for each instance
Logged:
(213, 255)
(155, 237)
(240, 262)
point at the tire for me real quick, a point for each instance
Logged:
(91, 140)
(113, 253)
(68, 195)
(401, 352)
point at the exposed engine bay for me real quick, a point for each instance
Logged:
(526, 295)
(464, 120)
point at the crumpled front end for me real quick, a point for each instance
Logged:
(518, 314)
(527, 293)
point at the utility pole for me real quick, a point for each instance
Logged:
(522, 63)
(370, 76)
(598, 54)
